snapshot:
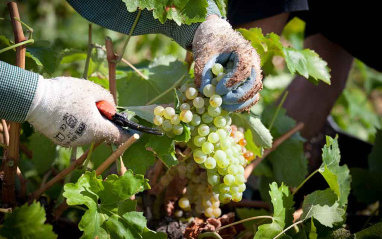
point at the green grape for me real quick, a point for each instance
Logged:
(205, 203)
(196, 120)
(239, 179)
(213, 137)
(222, 133)
(158, 120)
(177, 129)
(214, 111)
(234, 189)
(229, 153)
(199, 156)
(229, 179)
(220, 76)
(217, 212)
(220, 155)
(220, 121)
(184, 87)
(225, 198)
(210, 163)
(200, 111)
(240, 169)
(158, 110)
(166, 125)
(175, 119)
(168, 112)
(242, 187)
(186, 116)
(184, 203)
(224, 188)
(223, 163)
(170, 134)
(209, 90)
(216, 204)
(209, 212)
(222, 171)
(178, 213)
(213, 179)
(217, 68)
(206, 118)
(216, 100)
(233, 161)
(207, 147)
(236, 197)
(213, 128)
(232, 169)
(225, 143)
(228, 120)
(185, 106)
(214, 81)
(199, 140)
(198, 102)
(203, 130)
(191, 93)
(241, 160)
(214, 198)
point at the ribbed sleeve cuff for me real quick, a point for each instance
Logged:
(17, 90)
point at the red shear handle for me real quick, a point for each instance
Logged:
(106, 109)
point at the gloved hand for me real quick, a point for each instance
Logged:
(64, 110)
(216, 42)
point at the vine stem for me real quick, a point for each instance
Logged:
(248, 170)
(30, 30)
(278, 110)
(89, 155)
(129, 36)
(286, 229)
(175, 85)
(16, 45)
(12, 154)
(61, 175)
(111, 60)
(209, 234)
(299, 186)
(89, 53)
(244, 220)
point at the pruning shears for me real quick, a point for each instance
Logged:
(109, 112)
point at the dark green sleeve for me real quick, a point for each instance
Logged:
(17, 89)
(112, 14)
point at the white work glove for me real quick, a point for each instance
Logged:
(64, 110)
(216, 42)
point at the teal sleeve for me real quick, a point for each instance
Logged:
(17, 89)
(113, 14)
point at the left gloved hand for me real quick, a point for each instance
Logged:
(216, 42)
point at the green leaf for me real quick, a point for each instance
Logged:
(186, 11)
(45, 54)
(137, 158)
(282, 202)
(144, 112)
(163, 73)
(244, 213)
(257, 151)
(373, 232)
(313, 230)
(44, 152)
(336, 176)
(322, 206)
(260, 134)
(169, 160)
(27, 221)
(149, 234)
(222, 7)
(304, 62)
(102, 198)
(161, 145)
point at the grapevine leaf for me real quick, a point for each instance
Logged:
(336, 176)
(161, 145)
(45, 54)
(44, 152)
(187, 11)
(169, 160)
(102, 199)
(288, 159)
(373, 232)
(145, 112)
(163, 73)
(149, 234)
(222, 7)
(257, 151)
(244, 213)
(137, 158)
(260, 134)
(185, 136)
(282, 202)
(313, 230)
(27, 221)
(322, 206)
(304, 62)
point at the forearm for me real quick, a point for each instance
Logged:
(17, 90)
(112, 14)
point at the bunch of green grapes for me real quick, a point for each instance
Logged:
(218, 147)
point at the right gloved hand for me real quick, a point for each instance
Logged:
(64, 110)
